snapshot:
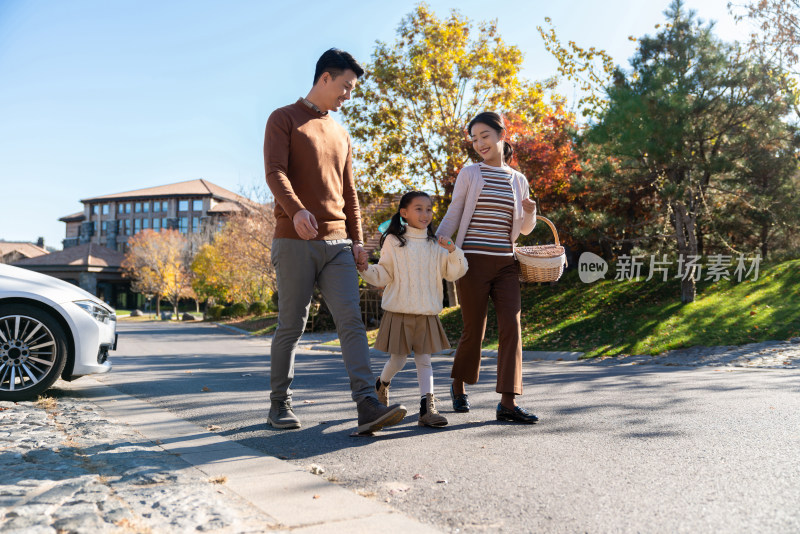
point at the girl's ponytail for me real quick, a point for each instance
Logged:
(396, 228)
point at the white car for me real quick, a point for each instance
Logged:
(49, 329)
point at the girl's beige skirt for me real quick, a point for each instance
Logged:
(404, 333)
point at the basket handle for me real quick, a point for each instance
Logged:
(552, 227)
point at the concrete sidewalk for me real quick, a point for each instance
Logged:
(253, 492)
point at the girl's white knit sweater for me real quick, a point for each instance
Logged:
(412, 274)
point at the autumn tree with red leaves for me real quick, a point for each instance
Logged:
(546, 155)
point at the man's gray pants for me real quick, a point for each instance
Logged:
(330, 265)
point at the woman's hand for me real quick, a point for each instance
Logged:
(446, 243)
(528, 205)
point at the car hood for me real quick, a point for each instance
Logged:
(17, 280)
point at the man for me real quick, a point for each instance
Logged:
(318, 239)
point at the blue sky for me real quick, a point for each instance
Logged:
(99, 97)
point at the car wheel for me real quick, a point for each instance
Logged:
(33, 351)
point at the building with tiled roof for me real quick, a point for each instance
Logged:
(95, 268)
(12, 251)
(193, 206)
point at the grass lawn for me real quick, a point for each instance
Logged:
(611, 318)
(125, 315)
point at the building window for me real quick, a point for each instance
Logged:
(183, 205)
(156, 206)
(127, 227)
(156, 225)
(137, 226)
(197, 205)
(93, 209)
(145, 224)
(195, 224)
(164, 206)
(105, 209)
(127, 207)
(145, 207)
(137, 207)
(183, 224)
(104, 227)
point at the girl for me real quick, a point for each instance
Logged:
(411, 268)
(490, 208)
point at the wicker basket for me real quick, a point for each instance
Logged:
(542, 263)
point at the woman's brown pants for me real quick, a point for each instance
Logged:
(495, 277)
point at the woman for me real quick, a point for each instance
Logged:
(491, 206)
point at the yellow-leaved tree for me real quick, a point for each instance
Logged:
(236, 265)
(410, 111)
(158, 265)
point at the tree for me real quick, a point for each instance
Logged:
(156, 262)
(236, 265)
(681, 124)
(546, 155)
(413, 104)
(590, 69)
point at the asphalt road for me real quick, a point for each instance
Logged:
(618, 449)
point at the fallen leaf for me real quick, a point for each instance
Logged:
(309, 402)
(417, 476)
(316, 469)
(212, 428)
(187, 371)
(316, 496)
(441, 482)
(206, 389)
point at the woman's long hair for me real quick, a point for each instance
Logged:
(396, 226)
(495, 122)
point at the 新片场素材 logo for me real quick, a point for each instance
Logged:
(591, 267)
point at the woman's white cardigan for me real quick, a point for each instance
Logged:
(469, 184)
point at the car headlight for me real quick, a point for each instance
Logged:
(98, 312)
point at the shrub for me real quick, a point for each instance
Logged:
(258, 308)
(227, 311)
(239, 309)
(215, 312)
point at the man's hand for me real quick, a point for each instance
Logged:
(446, 243)
(528, 205)
(360, 255)
(305, 224)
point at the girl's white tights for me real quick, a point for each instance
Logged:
(424, 370)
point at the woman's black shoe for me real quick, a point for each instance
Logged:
(517, 415)
(460, 402)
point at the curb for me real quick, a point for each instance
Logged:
(527, 355)
(298, 500)
(234, 329)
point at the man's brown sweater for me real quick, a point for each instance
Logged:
(308, 160)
